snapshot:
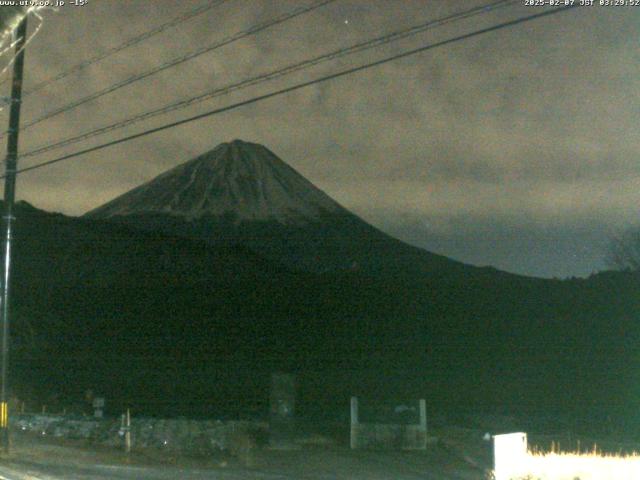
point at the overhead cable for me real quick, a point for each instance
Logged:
(299, 86)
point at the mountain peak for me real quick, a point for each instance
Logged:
(239, 142)
(242, 179)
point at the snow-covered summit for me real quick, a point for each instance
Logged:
(243, 179)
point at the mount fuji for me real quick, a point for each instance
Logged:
(239, 179)
(241, 193)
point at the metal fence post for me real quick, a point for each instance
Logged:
(354, 422)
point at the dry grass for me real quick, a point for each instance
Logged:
(556, 465)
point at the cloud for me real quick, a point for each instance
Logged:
(537, 122)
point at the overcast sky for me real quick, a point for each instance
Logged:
(516, 149)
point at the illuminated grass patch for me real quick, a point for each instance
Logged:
(576, 466)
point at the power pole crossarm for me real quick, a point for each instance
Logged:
(9, 199)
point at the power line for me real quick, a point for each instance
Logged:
(359, 47)
(300, 86)
(177, 61)
(123, 46)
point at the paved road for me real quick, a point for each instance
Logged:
(24, 471)
(366, 468)
(40, 461)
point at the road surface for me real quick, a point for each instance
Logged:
(33, 459)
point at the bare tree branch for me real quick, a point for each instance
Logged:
(624, 250)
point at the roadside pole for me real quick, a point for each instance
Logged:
(9, 199)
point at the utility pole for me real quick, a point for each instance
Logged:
(9, 199)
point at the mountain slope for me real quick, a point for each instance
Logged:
(241, 193)
(243, 180)
(170, 326)
(170, 306)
